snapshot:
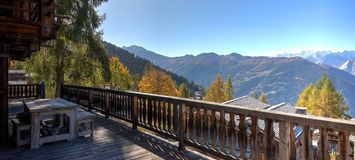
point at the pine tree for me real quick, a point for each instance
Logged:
(322, 99)
(82, 29)
(184, 91)
(228, 89)
(157, 82)
(263, 98)
(215, 93)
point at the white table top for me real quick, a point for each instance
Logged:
(45, 105)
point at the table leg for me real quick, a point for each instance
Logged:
(35, 130)
(72, 124)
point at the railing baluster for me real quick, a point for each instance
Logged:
(306, 152)
(231, 134)
(150, 112)
(198, 124)
(323, 145)
(343, 146)
(182, 123)
(213, 129)
(134, 112)
(155, 113)
(269, 152)
(159, 114)
(191, 123)
(222, 130)
(285, 140)
(205, 127)
(164, 115)
(254, 138)
(169, 116)
(242, 137)
(175, 118)
(144, 111)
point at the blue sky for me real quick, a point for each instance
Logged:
(248, 27)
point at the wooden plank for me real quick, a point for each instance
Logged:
(343, 147)
(198, 124)
(190, 133)
(35, 128)
(306, 151)
(323, 145)
(155, 113)
(144, 105)
(159, 114)
(213, 129)
(222, 132)
(182, 123)
(175, 118)
(205, 127)
(284, 140)
(254, 138)
(242, 136)
(169, 105)
(150, 111)
(4, 112)
(231, 134)
(269, 151)
(134, 112)
(164, 107)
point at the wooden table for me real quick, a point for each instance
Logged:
(44, 107)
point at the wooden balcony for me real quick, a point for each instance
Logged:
(130, 118)
(113, 139)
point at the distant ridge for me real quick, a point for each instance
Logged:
(281, 78)
(136, 64)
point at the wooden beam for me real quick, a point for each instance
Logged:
(4, 69)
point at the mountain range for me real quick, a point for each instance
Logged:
(281, 78)
(342, 60)
(136, 65)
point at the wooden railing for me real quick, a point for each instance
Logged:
(243, 134)
(16, 91)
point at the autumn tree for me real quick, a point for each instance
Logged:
(120, 76)
(157, 82)
(219, 91)
(263, 98)
(228, 89)
(184, 92)
(322, 99)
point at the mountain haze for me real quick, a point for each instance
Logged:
(280, 77)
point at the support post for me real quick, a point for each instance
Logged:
(107, 105)
(4, 70)
(90, 101)
(182, 120)
(134, 112)
(42, 90)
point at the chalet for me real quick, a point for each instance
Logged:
(18, 77)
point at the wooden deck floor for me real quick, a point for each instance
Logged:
(112, 140)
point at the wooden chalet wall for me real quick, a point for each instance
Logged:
(24, 26)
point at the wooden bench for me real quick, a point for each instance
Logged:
(20, 127)
(85, 122)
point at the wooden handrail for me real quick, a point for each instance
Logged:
(199, 124)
